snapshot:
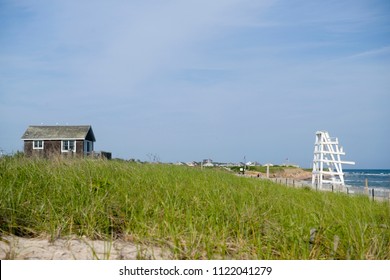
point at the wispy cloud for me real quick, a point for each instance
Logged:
(377, 52)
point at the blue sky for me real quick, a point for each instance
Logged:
(188, 80)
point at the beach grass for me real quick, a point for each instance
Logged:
(194, 213)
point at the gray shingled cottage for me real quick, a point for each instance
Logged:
(59, 140)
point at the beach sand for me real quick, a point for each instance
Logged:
(75, 248)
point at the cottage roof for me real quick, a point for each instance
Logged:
(59, 132)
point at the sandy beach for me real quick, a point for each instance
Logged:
(75, 248)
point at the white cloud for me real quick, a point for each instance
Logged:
(371, 53)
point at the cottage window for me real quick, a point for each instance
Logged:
(88, 146)
(38, 144)
(68, 145)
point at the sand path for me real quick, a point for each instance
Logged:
(72, 248)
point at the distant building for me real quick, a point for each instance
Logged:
(190, 163)
(59, 140)
(252, 163)
(208, 163)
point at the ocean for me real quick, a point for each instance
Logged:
(377, 178)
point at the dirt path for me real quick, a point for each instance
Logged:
(72, 248)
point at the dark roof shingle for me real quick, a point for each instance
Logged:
(59, 132)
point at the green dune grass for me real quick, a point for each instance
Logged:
(194, 213)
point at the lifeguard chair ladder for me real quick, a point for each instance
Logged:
(327, 165)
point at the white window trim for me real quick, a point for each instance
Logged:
(35, 147)
(67, 151)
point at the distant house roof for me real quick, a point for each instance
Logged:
(59, 132)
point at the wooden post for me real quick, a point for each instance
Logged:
(336, 240)
(332, 188)
(267, 171)
(366, 188)
(286, 181)
(373, 195)
(293, 183)
(313, 232)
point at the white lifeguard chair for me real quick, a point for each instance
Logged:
(327, 165)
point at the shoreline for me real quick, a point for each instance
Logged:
(302, 179)
(380, 194)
